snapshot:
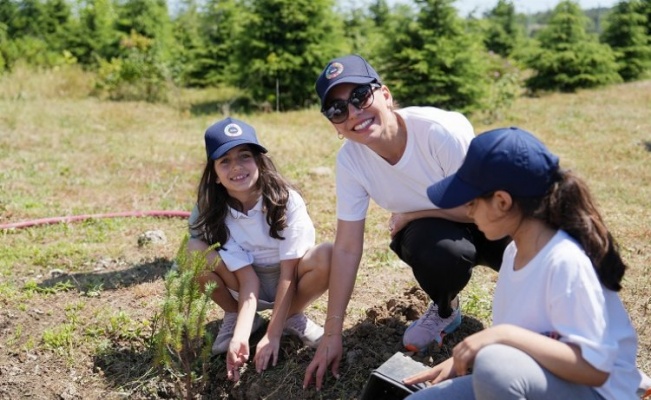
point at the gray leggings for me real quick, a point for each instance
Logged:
(502, 373)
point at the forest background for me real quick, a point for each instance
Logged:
(262, 55)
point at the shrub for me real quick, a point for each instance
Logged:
(181, 343)
(138, 74)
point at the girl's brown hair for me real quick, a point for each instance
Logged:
(568, 205)
(214, 202)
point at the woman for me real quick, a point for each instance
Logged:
(391, 156)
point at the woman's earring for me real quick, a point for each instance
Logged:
(340, 136)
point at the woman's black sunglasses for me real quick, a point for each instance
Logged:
(361, 97)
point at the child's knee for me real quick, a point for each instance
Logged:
(324, 253)
(494, 365)
(318, 259)
(324, 260)
(206, 278)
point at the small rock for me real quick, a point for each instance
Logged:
(321, 171)
(57, 272)
(152, 237)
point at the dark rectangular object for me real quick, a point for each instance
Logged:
(385, 382)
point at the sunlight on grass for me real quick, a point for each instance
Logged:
(93, 290)
(60, 339)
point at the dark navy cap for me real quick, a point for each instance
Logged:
(509, 159)
(348, 69)
(228, 133)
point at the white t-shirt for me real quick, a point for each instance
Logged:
(437, 143)
(559, 291)
(249, 242)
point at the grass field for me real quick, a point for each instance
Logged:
(77, 300)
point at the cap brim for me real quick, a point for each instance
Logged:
(231, 145)
(359, 80)
(451, 192)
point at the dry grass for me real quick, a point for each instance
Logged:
(62, 153)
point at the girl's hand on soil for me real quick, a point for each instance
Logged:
(434, 375)
(267, 349)
(237, 356)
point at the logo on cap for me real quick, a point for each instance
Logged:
(334, 70)
(232, 130)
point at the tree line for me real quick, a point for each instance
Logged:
(271, 51)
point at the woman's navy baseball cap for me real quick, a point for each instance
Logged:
(347, 69)
(228, 133)
(509, 159)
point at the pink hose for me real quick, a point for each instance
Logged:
(74, 218)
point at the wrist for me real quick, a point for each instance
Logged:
(339, 317)
(334, 323)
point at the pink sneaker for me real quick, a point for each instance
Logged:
(226, 330)
(307, 330)
(430, 327)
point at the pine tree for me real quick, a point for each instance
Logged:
(285, 46)
(95, 36)
(8, 12)
(29, 19)
(213, 50)
(569, 58)
(645, 9)
(367, 28)
(503, 32)
(180, 341)
(187, 35)
(148, 18)
(626, 34)
(434, 61)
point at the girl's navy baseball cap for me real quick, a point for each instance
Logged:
(509, 159)
(228, 133)
(347, 69)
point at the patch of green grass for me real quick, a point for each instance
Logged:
(15, 336)
(60, 339)
(33, 287)
(70, 155)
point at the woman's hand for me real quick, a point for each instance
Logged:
(327, 354)
(397, 221)
(267, 349)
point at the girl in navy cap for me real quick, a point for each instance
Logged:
(392, 155)
(267, 258)
(560, 331)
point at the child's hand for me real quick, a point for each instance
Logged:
(266, 350)
(237, 356)
(434, 375)
(465, 352)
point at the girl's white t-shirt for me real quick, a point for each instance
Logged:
(559, 291)
(250, 243)
(437, 143)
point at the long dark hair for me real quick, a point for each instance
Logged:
(214, 202)
(568, 205)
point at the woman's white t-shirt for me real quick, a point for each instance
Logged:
(437, 143)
